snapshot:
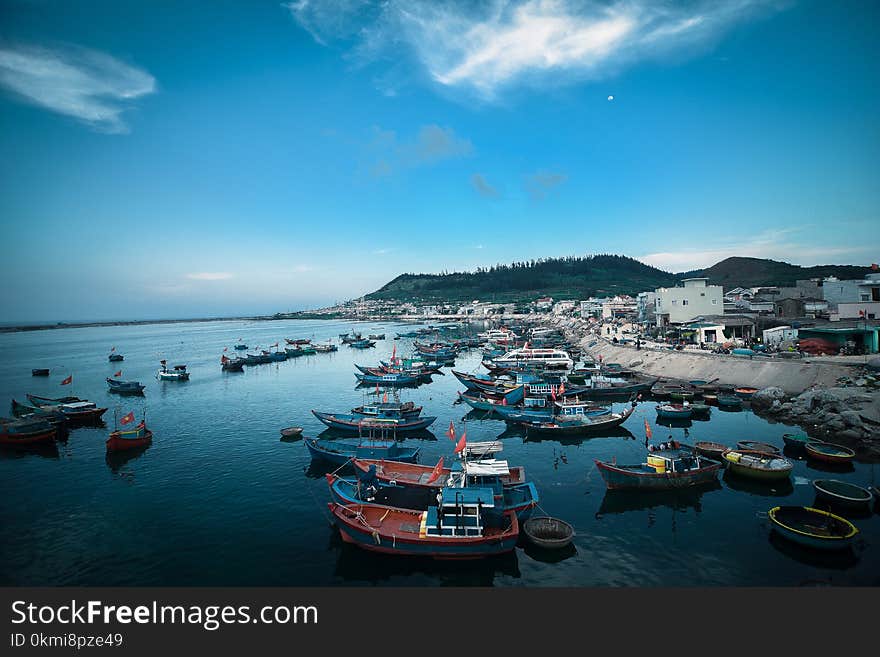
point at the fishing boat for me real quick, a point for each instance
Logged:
(291, 433)
(812, 528)
(670, 466)
(240, 347)
(40, 372)
(298, 341)
(278, 355)
(389, 379)
(757, 446)
(177, 373)
(829, 452)
(113, 358)
(728, 401)
(340, 452)
(843, 493)
(389, 409)
(711, 450)
(121, 440)
(78, 412)
(745, 393)
(361, 344)
(560, 425)
(700, 410)
(795, 441)
(376, 336)
(125, 387)
(325, 347)
(26, 432)
(359, 423)
(601, 390)
(34, 399)
(410, 474)
(548, 533)
(757, 465)
(674, 411)
(464, 525)
(232, 364)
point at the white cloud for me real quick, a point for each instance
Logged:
(86, 84)
(210, 276)
(488, 47)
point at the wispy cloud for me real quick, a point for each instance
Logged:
(780, 245)
(211, 276)
(86, 84)
(432, 144)
(490, 46)
(543, 182)
(482, 186)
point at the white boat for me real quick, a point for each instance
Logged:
(497, 335)
(552, 358)
(178, 373)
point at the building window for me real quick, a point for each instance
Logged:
(684, 302)
(714, 302)
(702, 294)
(674, 302)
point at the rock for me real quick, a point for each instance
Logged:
(834, 423)
(874, 364)
(851, 419)
(766, 396)
(850, 434)
(775, 407)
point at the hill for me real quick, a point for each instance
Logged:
(572, 277)
(598, 275)
(754, 272)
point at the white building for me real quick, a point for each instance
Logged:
(562, 307)
(837, 292)
(645, 304)
(679, 305)
(592, 307)
(618, 306)
(544, 304)
(773, 336)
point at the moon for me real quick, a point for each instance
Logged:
(610, 97)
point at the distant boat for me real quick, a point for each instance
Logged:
(340, 452)
(115, 357)
(34, 399)
(359, 423)
(40, 372)
(362, 344)
(812, 528)
(177, 373)
(125, 387)
(389, 409)
(389, 379)
(240, 347)
(325, 347)
(664, 469)
(377, 336)
(674, 411)
(121, 440)
(26, 432)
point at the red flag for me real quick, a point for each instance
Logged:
(225, 348)
(460, 445)
(648, 433)
(394, 353)
(224, 359)
(112, 348)
(562, 387)
(385, 398)
(127, 418)
(119, 373)
(451, 431)
(861, 313)
(435, 473)
(67, 380)
(377, 389)
(553, 393)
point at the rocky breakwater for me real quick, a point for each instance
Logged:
(847, 413)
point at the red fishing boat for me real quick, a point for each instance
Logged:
(411, 474)
(26, 432)
(121, 440)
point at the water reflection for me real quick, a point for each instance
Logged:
(674, 424)
(824, 466)
(777, 488)
(830, 559)
(623, 501)
(47, 451)
(383, 434)
(116, 460)
(614, 432)
(546, 555)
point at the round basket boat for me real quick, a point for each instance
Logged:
(291, 433)
(547, 532)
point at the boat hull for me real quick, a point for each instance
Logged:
(621, 478)
(798, 534)
(340, 454)
(839, 455)
(116, 443)
(357, 423)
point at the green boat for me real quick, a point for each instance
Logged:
(796, 441)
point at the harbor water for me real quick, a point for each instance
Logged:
(219, 499)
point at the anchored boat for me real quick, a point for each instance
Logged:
(812, 527)
(676, 466)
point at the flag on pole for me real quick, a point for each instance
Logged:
(435, 473)
(127, 418)
(451, 431)
(67, 380)
(648, 433)
(394, 354)
(225, 348)
(377, 389)
(385, 398)
(462, 442)
(112, 348)
(224, 359)
(119, 373)
(562, 387)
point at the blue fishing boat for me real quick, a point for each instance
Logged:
(240, 347)
(361, 344)
(277, 356)
(464, 525)
(113, 358)
(126, 387)
(671, 466)
(340, 452)
(359, 423)
(812, 528)
(795, 441)
(389, 379)
(674, 411)
(729, 401)
(389, 409)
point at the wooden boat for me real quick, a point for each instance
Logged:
(291, 433)
(729, 401)
(711, 450)
(341, 452)
(756, 446)
(757, 465)
(376, 336)
(240, 347)
(361, 344)
(521, 499)
(232, 364)
(745, 393)
(795, 441)
(122, 440)
(298, 341)
(389, 379)
(177, 373)
(710, 398)
(410, 474)
(674, 411)
(829, 452)
(42, 401)
(325, 347)
(700, 410)
(465, 525)
(577, 424)
(600, 390)
(549, 533)
(78, 412)
(843, 493)
(276, 356)
(388, 409)
(812, 528)
(664, 469)
(40, 372)
(113, 358)
(359, 423)
(125, 387)
(26, 432)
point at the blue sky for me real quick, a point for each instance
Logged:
(186, 159)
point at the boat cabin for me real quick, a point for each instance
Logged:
(459, 513)
(672, 460)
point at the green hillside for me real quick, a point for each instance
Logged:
(754, 272)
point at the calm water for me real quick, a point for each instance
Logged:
(219, 500)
